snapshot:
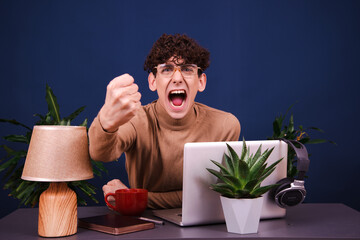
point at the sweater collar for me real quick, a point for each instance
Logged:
(165, 120)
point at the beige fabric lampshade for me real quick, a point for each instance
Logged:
(58, 154)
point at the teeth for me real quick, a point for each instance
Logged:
(177, 92)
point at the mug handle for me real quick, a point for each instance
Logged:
(107, 202)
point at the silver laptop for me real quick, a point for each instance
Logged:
(201, 205)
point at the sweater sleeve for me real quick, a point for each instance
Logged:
(232, 128)
(105, 146)
(172, 199)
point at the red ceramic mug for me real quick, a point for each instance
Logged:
(129, 202)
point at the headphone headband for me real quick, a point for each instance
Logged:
(302, 156)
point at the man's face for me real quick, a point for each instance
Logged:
(176, 93)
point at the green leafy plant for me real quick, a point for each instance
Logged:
(241, 177)
(29, 192)
(301, 134)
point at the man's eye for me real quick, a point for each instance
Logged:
(187, 69)
(167, 69)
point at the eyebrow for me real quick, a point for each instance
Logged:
(173, 64)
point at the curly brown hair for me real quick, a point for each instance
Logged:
(179, 47)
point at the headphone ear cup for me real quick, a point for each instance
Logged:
(282, 184)
(289, 193)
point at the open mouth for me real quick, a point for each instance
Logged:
(177, 98)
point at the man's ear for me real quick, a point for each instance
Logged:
(152, 82)
(202, 82)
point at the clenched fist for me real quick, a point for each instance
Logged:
(121, 103)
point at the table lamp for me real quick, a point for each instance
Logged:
(58, 154)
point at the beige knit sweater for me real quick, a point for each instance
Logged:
(153, 143)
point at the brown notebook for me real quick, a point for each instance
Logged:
(115, 224)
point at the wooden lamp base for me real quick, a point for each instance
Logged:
(57, 211)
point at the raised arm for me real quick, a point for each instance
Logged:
(111, 132)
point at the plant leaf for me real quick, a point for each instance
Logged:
(256, 173)
(17, 138)
(223, 185)
(316, 129)
(316, 141)
(269, 170)
(277, 127)
(234, 181)
(242, 193)
(229, 164)
(9, 170)
(8, 150)
(291, 123)
(98, 165)
(85, 188)
(223, 169)
(251, 184)
(256, 157)
(243, 172)
(53, 106)
(247, 156)
(223, 191)
(27, 190)
(13, 161)
(84, 123)
(235, 159)
(261, 160)
(261, 190)
(220, 176)
(73, 115)
(243, 151)
(14, 122)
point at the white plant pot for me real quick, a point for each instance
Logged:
(242, 215)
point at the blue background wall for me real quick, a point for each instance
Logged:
(265, 56)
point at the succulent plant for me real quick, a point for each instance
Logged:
(241, 177)
(12, 165)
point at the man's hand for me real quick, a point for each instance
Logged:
(121, 103)
(112, 186)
